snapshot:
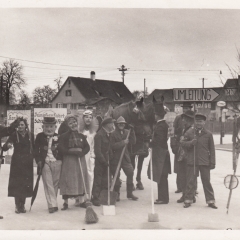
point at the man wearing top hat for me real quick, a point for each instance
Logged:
(102, 156)
(204, 160)
(178, 125)
(48, 161)
(118, 142)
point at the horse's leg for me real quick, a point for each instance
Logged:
(139, 170)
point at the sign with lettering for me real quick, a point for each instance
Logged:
(14, 114)
(194, 95)
(40, 113)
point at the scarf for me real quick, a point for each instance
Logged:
(74, 140)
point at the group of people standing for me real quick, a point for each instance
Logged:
(68, 159)
(194, 151)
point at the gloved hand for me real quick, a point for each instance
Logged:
(212, 166)
(194, 142)
(106, 164)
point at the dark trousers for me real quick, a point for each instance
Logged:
(178, 182)
(182, 175)
(20, 200)
(139, 166)
(128, 170)
(191, 183)
(100, 180)
(163, 194)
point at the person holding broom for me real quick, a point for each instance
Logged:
(73, 146)
(102, 151)
(88, 130)
(160, 156)
(118, 141)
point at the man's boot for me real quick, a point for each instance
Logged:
(140, 185)
(129, 192)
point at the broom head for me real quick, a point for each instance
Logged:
(91, 216)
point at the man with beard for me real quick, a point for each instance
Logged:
(118, 142)
(102, 151)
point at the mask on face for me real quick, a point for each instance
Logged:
(49, 129)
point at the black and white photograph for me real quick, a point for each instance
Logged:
(119, 117)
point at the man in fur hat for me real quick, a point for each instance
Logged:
(118, 142)
(49, 161)
(204, 159)
(102, 151)
(178, 125)
(160, 156)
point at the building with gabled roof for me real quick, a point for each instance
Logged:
(78, 92)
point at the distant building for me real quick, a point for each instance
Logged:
(77, 93)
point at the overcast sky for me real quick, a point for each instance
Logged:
(104, 39)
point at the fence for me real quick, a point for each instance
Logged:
(215, 126)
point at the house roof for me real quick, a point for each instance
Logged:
(158, 93)
(98, 89)
(232, 83)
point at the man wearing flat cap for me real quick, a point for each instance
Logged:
(188, 122)
(204, 160)
(102, 155)
(118, 141)
(178, 125)
(49, 161)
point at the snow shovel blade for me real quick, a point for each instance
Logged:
(104, 197)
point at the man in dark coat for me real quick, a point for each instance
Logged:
(49, 161)
(188, 120)
(102, 151)
(160, 156)
(118, 142)
(178, 125)
(204, 160)
(5, 132)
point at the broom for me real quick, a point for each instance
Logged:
(91, 216)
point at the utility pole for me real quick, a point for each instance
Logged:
(123, 69)
(144, 92)
(203, 79)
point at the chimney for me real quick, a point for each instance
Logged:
(92, 75)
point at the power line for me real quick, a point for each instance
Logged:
(172, 70)
(64, 65)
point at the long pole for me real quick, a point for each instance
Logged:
(144, 88)
(221, 142)
(151, 169)
(194, 147)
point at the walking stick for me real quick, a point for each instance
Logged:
(194, 147)
(152, 217)
(1, 161)
(119, 164)
(233, 182)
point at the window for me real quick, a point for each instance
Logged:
(64, 105)
(68, 93)
(59, 105)
(69, 106)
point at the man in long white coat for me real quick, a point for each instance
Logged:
(90, 133)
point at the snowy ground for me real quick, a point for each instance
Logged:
(131, 214)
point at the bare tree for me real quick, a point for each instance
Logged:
(44, 95)
(12, 74)
(58, 82)
(25, 99)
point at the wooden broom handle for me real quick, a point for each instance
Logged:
(119, 164)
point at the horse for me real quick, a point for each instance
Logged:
(142, 116)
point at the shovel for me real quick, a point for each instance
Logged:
(113, 195)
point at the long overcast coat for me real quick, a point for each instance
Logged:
(21, 169)
(160, 152)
